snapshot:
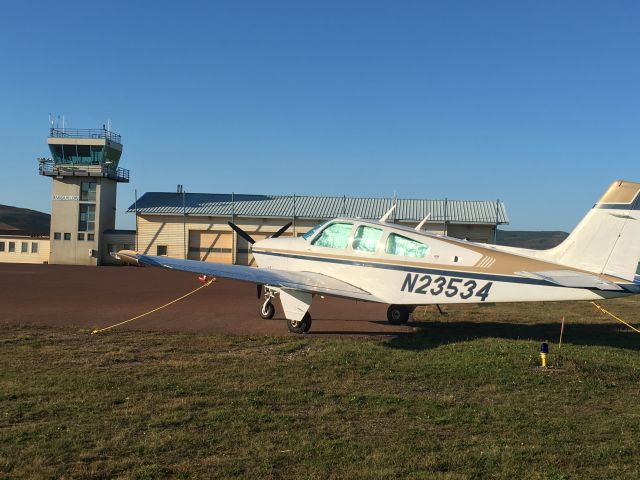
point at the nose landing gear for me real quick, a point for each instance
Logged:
(267, 310)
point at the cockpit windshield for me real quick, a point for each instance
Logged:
(313, 231)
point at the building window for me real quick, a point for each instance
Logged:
(67, 236)
(1, 246)
(34, 247)
(88, 191)
(161, 250)
(56, 236)
(24, 247)
(81, 236)
(12, 247)
(87, 217)
(90, 237)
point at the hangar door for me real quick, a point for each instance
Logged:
(211, 246)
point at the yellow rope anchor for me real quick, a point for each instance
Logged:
(613, 316)
(209, 282)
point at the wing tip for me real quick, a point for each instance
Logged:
(126, 256)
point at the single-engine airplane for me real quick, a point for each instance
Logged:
(404, 267)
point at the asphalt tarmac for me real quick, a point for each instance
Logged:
(96, 297)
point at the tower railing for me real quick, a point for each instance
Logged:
(85, 133)
(49, 168)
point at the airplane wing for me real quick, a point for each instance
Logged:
(573, 279)
(302, 281)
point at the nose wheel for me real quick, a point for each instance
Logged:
(267, 310)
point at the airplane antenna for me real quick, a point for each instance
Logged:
(386, 215)
(421, 224)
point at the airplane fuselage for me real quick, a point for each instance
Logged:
(434, 269)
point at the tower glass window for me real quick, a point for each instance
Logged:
(88, 191)
(87, 218)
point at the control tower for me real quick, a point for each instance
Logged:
(84, 172)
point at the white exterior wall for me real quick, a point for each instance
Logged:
(65, 204)
(17, 256)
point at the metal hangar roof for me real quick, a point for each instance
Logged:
(318, 207)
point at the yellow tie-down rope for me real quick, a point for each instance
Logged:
(209, 282)
(606, 312)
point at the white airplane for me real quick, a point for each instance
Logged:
(382, 262)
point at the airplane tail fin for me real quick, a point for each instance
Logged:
(607, 240)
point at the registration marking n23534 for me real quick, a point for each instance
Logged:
(449, 287)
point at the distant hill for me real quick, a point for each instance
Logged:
(29, 221)
(531, 239)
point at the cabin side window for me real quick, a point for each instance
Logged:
(335, 235)
(366, 239)
(405, 247)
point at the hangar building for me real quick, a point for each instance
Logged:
(194, 225)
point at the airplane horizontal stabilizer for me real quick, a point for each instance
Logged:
(572, 279)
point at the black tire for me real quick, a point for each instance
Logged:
(267, 310)
(398, 314)
(301, 326)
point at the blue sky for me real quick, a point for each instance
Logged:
(536, 103)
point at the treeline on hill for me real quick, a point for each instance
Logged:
(24, 220)
(531, 239)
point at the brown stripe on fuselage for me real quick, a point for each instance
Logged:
(505, 263)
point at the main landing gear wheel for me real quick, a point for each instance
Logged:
(398, 314)
(300, 326)
(267, 310)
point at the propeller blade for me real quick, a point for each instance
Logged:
(281, 231)
(242, 233)
(259, 288)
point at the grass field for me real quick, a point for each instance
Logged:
(461, 398)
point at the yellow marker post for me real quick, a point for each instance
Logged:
(544, 351)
